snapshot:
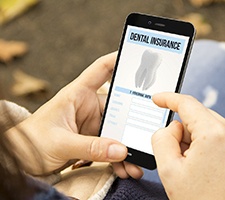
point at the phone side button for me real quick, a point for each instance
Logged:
(129, 154)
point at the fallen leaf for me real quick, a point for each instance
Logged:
(11, 49)
(25, 84)
(9, 9)
(200, 3)
(203, 28)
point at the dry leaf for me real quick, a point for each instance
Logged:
(25, 84)
(9, 9)
(199, 3)
(202, 27)
(11, 49)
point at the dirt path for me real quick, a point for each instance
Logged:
(65, 37)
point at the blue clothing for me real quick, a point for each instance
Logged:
(205, 81)
(43, 191)
(29, 189)
(205, 74)
(123, 189)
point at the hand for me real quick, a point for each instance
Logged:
(190, 155)
(59, 131)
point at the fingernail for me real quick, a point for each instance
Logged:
(117, 152)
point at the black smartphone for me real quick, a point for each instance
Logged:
(152, 58)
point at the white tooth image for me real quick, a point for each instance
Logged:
(146, 73)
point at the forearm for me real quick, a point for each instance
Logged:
(16, 138)
(10, 116)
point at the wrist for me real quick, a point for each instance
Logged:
(22, 149)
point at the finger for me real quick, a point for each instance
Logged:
(217, 116)
(186, 136)
(176, 102)
(166, 144)
(133, 170)
(102, 101)
(93, 148)
(189, 109)
(98, 72)
(119, 169)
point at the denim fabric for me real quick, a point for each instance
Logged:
(205, 75)
(204, 79)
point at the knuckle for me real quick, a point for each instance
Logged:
(95, 151)
(188, 98)
(219, 132)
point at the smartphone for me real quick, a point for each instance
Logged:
(152, 58)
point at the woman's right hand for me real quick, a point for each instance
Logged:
(190, 154)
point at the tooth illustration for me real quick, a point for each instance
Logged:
(146, 73)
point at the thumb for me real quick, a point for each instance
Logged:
(95, 149)
(166, 144)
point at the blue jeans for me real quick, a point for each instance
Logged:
(204, 79)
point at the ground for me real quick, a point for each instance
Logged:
(64, 37)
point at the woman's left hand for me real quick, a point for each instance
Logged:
(63, 130)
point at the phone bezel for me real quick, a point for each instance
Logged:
(160, 24)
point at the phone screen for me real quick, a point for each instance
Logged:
(150, 61)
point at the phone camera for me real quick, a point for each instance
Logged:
(149, 22)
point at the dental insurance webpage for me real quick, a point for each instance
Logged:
(150, 62)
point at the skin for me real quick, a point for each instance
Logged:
(190, 154)
(65, 128)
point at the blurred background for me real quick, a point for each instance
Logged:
(54, 41)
